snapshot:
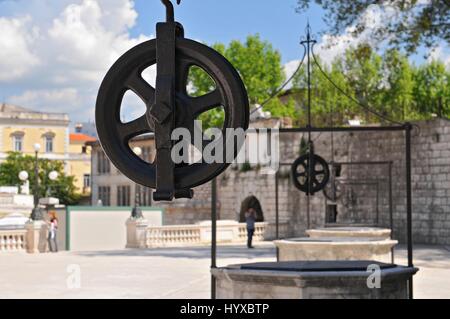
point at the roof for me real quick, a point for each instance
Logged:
(8, 108)
(9, 112)
(79, 137)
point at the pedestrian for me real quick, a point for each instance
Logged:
(53, 228)
(250, 219)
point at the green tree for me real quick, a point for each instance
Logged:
(362, 68)
(260, 67)
(409, 24)
(432, 89)
(328, 105)
(398, 96)
(63, 188)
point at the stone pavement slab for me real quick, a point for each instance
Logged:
(166, 273)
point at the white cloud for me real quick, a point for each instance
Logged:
(16, 55)
(59, 62)
(441, 53)
(333, 46)
(56, 100)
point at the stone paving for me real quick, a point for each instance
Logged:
(165, 273)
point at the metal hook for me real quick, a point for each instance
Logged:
(170, 15)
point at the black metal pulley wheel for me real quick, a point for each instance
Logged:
(169, 106)
(310, 173)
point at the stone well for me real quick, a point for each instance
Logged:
(349, 232)
(312, 280)
(337, 248)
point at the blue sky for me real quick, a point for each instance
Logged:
(222, 21)
(55, 53)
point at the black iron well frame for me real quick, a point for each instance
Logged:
(406, 128)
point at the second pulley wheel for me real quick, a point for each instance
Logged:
(310, 173)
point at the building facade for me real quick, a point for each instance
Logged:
(21, 129)
(109, 186)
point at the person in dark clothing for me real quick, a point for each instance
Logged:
(250, 219)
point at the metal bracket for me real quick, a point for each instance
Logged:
(162, 111)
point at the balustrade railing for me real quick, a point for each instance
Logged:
(186, 235)
(12, 240)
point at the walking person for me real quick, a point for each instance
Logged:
(250, 219)
(53, 228)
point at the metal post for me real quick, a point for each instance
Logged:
(36, 180)
(36, 213)
(277, 213)
(391, 211)
(277, 208)
(213, 235)
(308, 212)
(378, 205)
(408, 129)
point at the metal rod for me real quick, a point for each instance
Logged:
(308, 212)
(277, 208)
(378, 204)
(364, 163)
(277, 212)
(349, 163)
(213, 235)
(391, 211)
(408, 129)
(308, 46)
(334, 129)
(36, 180)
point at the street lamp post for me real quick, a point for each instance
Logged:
(25, 187)
(136, 213)
(36, 214)
(53, 176)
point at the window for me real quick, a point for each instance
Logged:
(123, 195)
(146, 154)
(103, 164)
(104, 195)
(87, 180)
(48, 144)
(144, 196)
(18, 143)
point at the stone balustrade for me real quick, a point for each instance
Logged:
(13, 240)
(173, 236)
(198, 234)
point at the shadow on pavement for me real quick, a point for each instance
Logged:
(427, 255)
(188, 252)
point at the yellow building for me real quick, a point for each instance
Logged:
(21, 129)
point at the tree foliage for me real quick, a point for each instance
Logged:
(388, 84)
(407, 24)
(260, 67)
(63, 188)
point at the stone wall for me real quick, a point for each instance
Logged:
(187, 212)
(366, 200)
(367, 197)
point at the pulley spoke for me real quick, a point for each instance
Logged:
(141, 88)
(303, 174)
(206, 102)
(134, 128)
